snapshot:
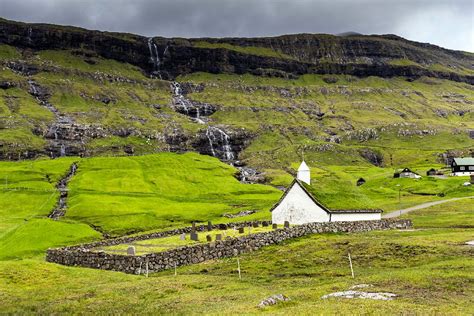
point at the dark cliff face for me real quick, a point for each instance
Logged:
(308, 53)
(344, 49)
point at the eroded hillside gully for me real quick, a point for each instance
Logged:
(61, 206)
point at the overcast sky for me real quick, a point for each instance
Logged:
(447, 23)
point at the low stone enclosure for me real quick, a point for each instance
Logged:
(84, 256)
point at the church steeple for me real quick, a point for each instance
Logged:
(304, 174)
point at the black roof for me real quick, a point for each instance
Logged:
(298, 182)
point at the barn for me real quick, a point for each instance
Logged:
(298, 206)
(406, 173)
(462, 166)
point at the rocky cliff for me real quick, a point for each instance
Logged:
(354, 99)
(287, 56)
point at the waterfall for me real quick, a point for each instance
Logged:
(210, 137)
(30, 32)
(33, 89)
(154, 58)
(222, 140)
(62, 151)
(158, 61)
(219, 141)
(180, 99)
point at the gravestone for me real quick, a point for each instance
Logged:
(193, 228)
(264, 224)
(194, 236)
(274, 226)
(209, 226)
(255, 224)
(219, 237)
(241, 230)
(208, 238)
(287, 224)
(182, 236)
(131, 251)
(222, 226)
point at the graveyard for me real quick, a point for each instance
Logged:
(155, 245)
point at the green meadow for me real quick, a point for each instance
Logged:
(332, 121)
(127, 195)
(430, 269)
(118, 196)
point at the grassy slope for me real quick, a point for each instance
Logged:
(157, 191)
(124, 194)
(27, 196)
(430, 269)
(250, 50)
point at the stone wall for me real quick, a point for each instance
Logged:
(85, 257)
(173, 232)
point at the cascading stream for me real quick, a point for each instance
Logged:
(217, 138)
(219, 141)
(155, 57)
(61, 206)
(41, 95)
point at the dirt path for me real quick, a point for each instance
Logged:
(420, 206)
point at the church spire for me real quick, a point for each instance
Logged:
(304, 174)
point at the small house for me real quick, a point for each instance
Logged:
(406, 173)
(360, 182)
(431, 172)
(462, 166)
(299, 206)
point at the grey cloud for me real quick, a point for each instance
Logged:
(447, 23)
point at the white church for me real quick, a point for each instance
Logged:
(299, 206)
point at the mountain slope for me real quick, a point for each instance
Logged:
(339, 100)
(385, 55)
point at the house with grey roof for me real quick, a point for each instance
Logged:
(462, 166)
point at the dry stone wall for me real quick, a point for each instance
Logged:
(84, 255)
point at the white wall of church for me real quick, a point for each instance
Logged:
(350, 217)
(298, 208)
(463, 174)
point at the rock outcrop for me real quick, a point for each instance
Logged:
(299, 54)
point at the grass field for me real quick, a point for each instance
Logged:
(124, 195)
(430, 269)
(118, 195)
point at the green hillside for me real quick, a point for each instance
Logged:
(119, 195)
(163, 132)
(430, 269)
(329, 118)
